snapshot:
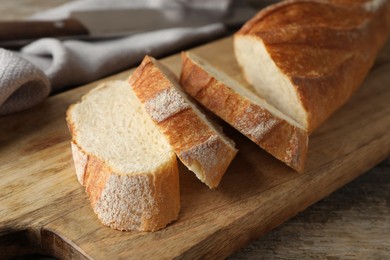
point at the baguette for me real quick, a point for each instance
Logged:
(245, 111)
(129, 170)
(198, 143)
(308, 57)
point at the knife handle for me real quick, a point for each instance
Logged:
(18, 30)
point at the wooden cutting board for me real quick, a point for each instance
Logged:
(43, 209)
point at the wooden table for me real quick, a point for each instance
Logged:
(353, 222)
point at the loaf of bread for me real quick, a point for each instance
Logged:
(307, 57)
(129, 170)
(198, 142)
(263, 124)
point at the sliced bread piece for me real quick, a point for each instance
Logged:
(263, 124)
(198, 143)
(126, 165)
(308, 57)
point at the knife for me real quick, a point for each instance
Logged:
(106, 24)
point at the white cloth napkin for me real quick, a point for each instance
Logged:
(22, 84)
(49, 65)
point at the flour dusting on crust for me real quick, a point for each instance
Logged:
(256, 123)
(374, 5)
(206, 156)
(165, 104)
(126, 202)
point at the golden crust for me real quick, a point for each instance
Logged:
(196, 144)
(284, 141)
(158, 205)
(325, 48)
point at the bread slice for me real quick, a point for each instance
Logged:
(308, 57)
(127, 167)
(263, 124)
(198, 143)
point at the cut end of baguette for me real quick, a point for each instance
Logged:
(198, 143)
(273, 131)
(308, 57)
(127, 167)
(266, 78)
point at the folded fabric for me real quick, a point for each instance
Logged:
(22, 84)
(71, 62)
(49, 65)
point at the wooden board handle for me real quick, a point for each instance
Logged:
(19, 30)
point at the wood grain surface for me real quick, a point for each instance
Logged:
(352, 223)
(43, 209)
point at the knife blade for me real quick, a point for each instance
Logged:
(106, 24)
